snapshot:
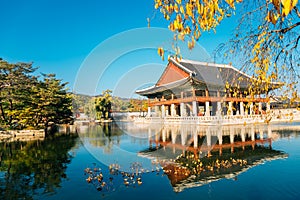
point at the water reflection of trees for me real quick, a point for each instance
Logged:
(34, 167)
(105, 135)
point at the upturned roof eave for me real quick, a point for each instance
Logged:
(158, 89)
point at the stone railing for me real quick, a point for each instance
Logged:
(277, 116)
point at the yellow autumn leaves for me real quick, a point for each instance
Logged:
(188, 19)
(272, 17)
(191, 17)
(285, 5)
(282, 9)
(161, 52)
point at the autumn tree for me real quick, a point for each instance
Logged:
(268, 47)
(103, 105)
(81, 104)
(266, 38)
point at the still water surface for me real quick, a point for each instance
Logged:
(155, 162)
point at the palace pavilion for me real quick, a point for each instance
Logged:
(189, 88)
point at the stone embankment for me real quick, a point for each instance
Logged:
(26, 135)
(21, 135)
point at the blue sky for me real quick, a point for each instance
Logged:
(60, 36)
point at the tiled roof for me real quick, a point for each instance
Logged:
(210, 74)
(162, 88)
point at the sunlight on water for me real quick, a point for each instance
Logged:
(120, 161)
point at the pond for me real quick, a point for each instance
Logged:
(138, 161)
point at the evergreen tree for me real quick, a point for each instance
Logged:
(28, 102)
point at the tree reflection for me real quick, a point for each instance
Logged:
(35, 167)
(105, 135)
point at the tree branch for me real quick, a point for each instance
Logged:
(284, 30)
(297, 11)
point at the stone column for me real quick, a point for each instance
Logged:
(207, 111)
(220, 138)
(163, 111)
(251, 108)
(208, 137)
(243, 137)
(242, 108)
(268, 107)
(269, 131)
(219, 109)
(149, 112)
(164, 135)
(252, 133)
(229, 111)
(149, 133)
(183, 136)
(167, 111)
(195, 105)
(173, 110)
(173, 136)
(231, 136)
(260, 107)
(195, 134)
(157, 112)
(182, 110)
(261, 134)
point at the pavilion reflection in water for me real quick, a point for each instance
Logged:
(192, 156)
